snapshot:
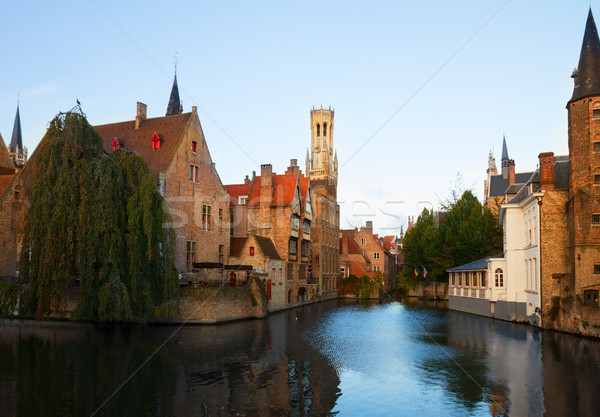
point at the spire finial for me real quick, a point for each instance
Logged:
(175, 62)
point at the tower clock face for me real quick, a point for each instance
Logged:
(317, 149)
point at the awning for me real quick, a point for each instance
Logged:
(209, 265)
(238, 267)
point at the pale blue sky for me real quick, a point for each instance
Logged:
(255, 69)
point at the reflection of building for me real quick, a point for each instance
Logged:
(322, 168)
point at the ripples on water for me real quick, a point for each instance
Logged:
(336, 358)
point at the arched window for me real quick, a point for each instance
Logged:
(318, 130)
(325, 129)
(499, 277)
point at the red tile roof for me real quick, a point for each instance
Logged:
(5, 181)
(237, 190)
(283, 191)
(304, 182)
(169, 129)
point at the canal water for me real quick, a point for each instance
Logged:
(334, 358)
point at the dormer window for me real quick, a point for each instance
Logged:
(155, 142)
(116, 144)
(194, 146)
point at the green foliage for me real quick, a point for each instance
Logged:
(9, 298)
(98, 218)
(554, 309)
(465, 233)
(363, 287)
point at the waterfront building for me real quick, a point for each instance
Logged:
(278, 209)
(176, 151)
(12, 161)
(322, 169)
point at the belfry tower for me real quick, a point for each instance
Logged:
(322, 163)
(322, 169)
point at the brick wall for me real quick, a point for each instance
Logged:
(12, 204)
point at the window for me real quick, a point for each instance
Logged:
(116, 144)
(467, 278)
(483, 283)
(220, 220)
(194, 146)
(318, 130)
(306, 227)
(460, 279)
(377, 268)
(376, 255)
(193, 173)
(206, 217)
(295, 222)
(155, 142)
(343, 271)
(363, 241)
(221, 254)
(590, 297)
(293, 246)
(304, 247)
(597, 179)
(499, 277)
(251, 250)
(190, 255)
(596, 218)
(452, 279)
(324, 129)
(596, 114)
(597, 269)
(289, 271)
(231, 221)
(596, 146)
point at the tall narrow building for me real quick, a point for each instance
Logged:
(16, 150)
(584, 155)
(322, 169)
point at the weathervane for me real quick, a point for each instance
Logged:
(175, 61)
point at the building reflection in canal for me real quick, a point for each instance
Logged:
(330, 358)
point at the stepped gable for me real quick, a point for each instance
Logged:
(169, 130)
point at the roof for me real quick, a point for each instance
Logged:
(6, 164)
(267, 247)
(169, 130)
(237, 190)
(498, 184)
(304, 182)
(561, 172)
(5, 181)
(587, 74)
(284, 190)
(174, 106)
(16, 143)
(236, 244)
(478, 265)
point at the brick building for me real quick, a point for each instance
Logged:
(322, 169)
(378, 252)
(12, 204)
(353, 259)
(177, 155)
(278, 209)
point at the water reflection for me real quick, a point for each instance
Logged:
(339, 357)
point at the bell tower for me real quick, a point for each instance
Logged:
(323, 158)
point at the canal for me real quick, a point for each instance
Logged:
(334, 358)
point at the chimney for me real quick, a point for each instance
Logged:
(194, 109)
(266, 183)
(546, 170)
(293, 168)
(246, 180)
(369, 226)
(511, 172)
(141, 114)
(505, 167)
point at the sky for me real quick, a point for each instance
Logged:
(422, 91)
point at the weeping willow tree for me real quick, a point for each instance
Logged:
(97, 218)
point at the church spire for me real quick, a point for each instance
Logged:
(174, 106)
(16, 143)
(587, 74)
(504, 149)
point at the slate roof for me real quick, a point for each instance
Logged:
(587, 74)
(498, 185)
(169, 129)
(478, 265)
(267, 247)
(561, 179)
(174, 106)
(16, 143)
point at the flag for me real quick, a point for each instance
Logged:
(416, 273)
(424, 271)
